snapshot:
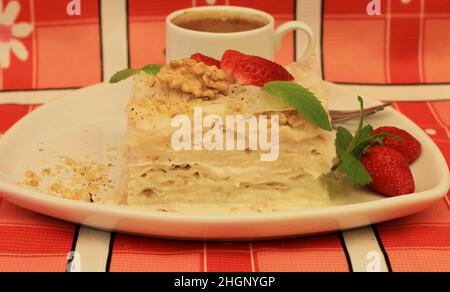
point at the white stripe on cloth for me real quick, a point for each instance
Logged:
(364, 251)
(421, 56)
(114, 37)
(205, 256)
(250, 245)
(33, 45)
(402, 92)
(93, 248)
(32, 96)
(93, 245)
(310, 12)
(387, 60)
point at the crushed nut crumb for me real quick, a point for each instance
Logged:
(84, 181)
(32, 179)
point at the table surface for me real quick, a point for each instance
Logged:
(408, 44)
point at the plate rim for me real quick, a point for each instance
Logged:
(36, 196)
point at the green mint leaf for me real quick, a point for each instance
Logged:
(122, 74)
(343, 140)
(152, 69)
(355, 170)
(126, 73)
(302, 100)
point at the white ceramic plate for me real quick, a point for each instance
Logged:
(91, 118)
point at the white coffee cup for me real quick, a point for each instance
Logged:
(263, 42)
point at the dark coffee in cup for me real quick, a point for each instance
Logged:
(219, 21)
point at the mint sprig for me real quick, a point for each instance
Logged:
(126, 73)
(355, 170)
(302, 100)
(350, 149)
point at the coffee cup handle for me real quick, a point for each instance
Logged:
(296, 25)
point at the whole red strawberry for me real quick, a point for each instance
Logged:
(408, 146)
(390, 172)
(252, 70)
(206, 60)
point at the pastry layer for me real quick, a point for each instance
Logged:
(157, 174)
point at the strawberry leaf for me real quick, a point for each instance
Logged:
(302, 100)
(362, 141)
(364, 133)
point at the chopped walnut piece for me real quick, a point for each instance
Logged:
(192, 77)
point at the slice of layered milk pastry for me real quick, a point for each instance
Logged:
(251, 135)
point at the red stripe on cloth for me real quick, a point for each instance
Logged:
(13, 215)
(228, 257)
(437, 6)
(10, 114)
(419, 236)
(163, 8)
(442, 108)
(82, 55)
(31, 242)
(423, 114)
(418, 112)
(441, 118)
(404, 43)
(444, 143)
(321, 254)
(55, 10)
(135, 254)
(403, 7)
(444, 146)
(156, 8)
(415, 37)
(280, 9)
(420, 242)
(344, 7)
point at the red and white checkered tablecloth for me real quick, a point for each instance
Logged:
(50, 53)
